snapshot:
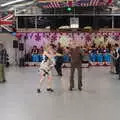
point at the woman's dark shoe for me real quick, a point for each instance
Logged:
(59, 74)
(70, 89)
(3, 81)
(80, 89)
(38, 91)
(50, 89)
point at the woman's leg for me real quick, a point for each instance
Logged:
(112, 68)
(42, 79)
(49, 82)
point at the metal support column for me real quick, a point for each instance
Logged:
(16, 22)
(94, 17)
(16, 17)
(113, 22)
(35, 21)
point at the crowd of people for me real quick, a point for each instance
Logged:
(94, 54)
(53, 57)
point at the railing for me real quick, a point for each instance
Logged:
(67, 30)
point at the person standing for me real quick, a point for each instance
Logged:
(3, 56)
(113, 59)
(35, 50)
(117, 55)
(59, 59)
(46, 68)
(76, 54)
(118, 63)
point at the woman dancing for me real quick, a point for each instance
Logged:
(46, 68)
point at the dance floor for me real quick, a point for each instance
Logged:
(99, 100)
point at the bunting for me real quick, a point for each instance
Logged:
(80, 3)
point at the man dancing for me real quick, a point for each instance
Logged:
(76, 62)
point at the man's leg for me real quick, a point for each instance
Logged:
(42, 79)
(59, 63)
(4, 79)
(60, 69)
(119, 75)
(1, 74)
(116, 68)
(56, 67)
(72, 77)
(79, 78)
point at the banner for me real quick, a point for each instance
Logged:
(41, 39)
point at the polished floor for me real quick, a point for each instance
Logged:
(99, 100)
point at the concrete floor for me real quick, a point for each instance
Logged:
(99, 100)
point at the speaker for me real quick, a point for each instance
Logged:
(21, 46)
(15, 44)
(21, 62)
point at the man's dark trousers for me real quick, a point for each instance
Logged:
(58, 66)
(79, 70)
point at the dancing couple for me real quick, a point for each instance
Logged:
(46, 66)
(48, 63)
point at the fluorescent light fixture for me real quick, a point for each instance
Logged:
(20, 5)
(48, 27)
(23, 10)
(24, 4)
(11, 2)
(64, 27)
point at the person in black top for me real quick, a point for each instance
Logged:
(35, 50)
(116, 55)
(3, 59)
(118, 63)
(59, 59)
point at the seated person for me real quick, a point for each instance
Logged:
(28, 57)
(35, 50)
(86, 56)
(41, 50)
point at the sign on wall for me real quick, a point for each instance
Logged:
(74, 22)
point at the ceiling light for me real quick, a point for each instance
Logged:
(11, 2)
(48, 27)
(20, 5)
(69, 9)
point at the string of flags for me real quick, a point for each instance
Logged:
(79, 3)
